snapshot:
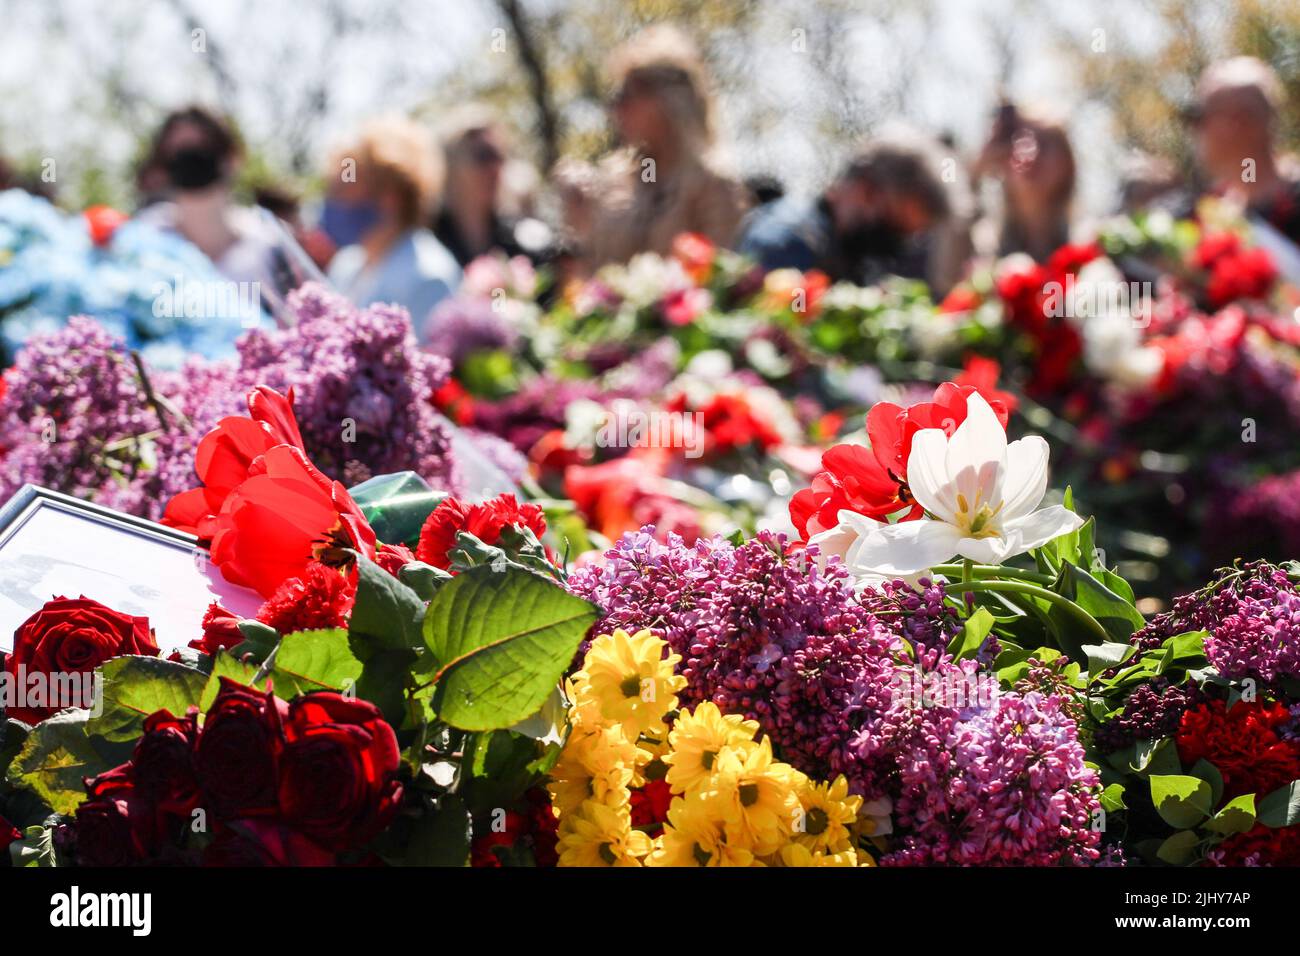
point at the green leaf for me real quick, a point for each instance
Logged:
(499, 765)
(1118, 616)
(55, 759)
(35, 849)
(313, 660)
(1281, 808)
(1181, 801)
(386, 611)
(972, 636)
(423, 579)
(135, 687)
(440, 837)
(259, 640)
(1237, 816)
(1112, 798)
(1179, 849)
(503, 640)
(1208, 772)
(12, 735)
(226, 664)
(1102, 657)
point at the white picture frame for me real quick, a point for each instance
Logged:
(53, 545)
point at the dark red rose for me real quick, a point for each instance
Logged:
(220, 629)
(163, 763)
(485, 521)
(321, 598)
(338, 776)
(117, 825)
(255, 842)
(238, 753)
(72, 637)
(8, 834)
(393, 557)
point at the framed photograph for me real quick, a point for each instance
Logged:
(52, 545)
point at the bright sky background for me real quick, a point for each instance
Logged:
(67, 64)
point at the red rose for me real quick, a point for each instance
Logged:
(72, 637)
(649, 804)
(238, 753)
(338, 776)
(484, 521)
(255, 842)
(162, 766)
(220, 630)
(321, 598)
(117, 825)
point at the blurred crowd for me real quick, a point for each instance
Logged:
(406, 207)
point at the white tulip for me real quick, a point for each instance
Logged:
(979, 494)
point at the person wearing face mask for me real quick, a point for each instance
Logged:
(185, 185)
(382, 186)
(887, 213)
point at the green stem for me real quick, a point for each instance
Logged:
(1024, 587)
(991, 571)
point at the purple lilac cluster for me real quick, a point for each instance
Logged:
(1151, 712)
(1004, 785)
(362, 389)
(74, 413)
(772, 636)
(361, 394)
(920, 615)
(1251, 615)
(462, 325)
(761, 633)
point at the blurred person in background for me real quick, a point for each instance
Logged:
(382, 185)
(888, 212)
(664, 180)
(1031, 157)
(472, 220)
(186, 180)
(1234, 120)
(1147, 182)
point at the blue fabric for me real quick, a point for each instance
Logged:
(50, 270)
(788, 234)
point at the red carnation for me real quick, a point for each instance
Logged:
(1243, 744)
(484, 521)
(1258, 846)
(67, 637)
(649, 804)
(321, 598)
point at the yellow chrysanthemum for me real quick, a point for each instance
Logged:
(795, 854)
(828, 815)
(696, 741)
(695, 836)
(598, 835)
(653, 751)
(596, 765)
(759, 805)
(629, 680)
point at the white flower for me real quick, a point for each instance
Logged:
(979, 494)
